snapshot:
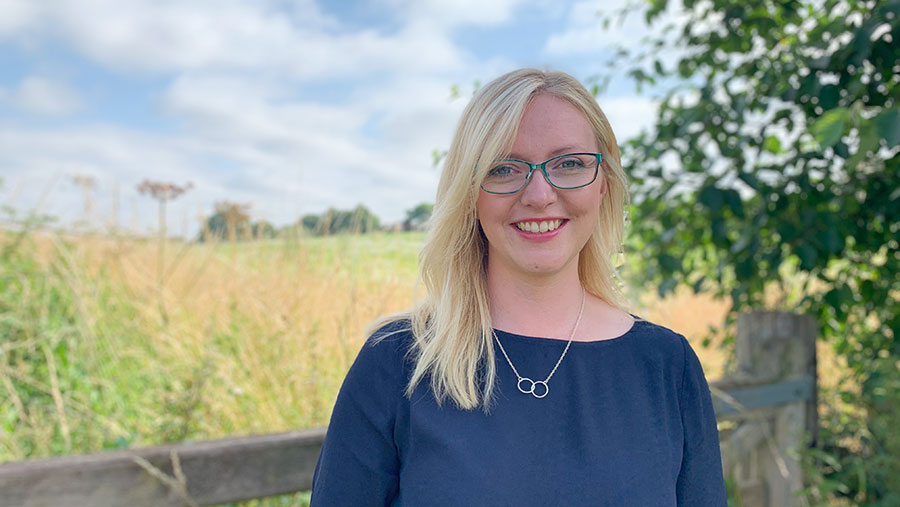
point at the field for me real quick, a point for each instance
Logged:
(111, 342)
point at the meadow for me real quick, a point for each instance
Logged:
(111, 342)
(108, 344)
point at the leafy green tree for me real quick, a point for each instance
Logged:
(310, 222)
(335, 221)
(417, 216)
(229, 219)
(263, 230)
(772, 163)
(216, 227)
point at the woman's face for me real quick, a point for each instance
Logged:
(550, 126)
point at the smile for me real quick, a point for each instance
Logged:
(542, 226)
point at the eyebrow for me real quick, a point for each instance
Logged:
(559, 151)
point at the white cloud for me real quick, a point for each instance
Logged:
(628, 115)
(240, 83)
(449, 13)
(17, 15)
(322, 155)
(239, 35)
(44, 96)
(584, 32)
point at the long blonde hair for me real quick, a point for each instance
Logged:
(453, 343)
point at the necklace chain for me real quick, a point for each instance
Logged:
(531, 386)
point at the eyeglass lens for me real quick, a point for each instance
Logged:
(566, 171)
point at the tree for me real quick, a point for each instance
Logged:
(417, 217)
(334, 221)
(230, 218)
(310, 223)
(236, 217)
(263, 230)
(772, 162)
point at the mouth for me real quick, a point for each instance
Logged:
(539, 226)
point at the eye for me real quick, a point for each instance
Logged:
(502, 171)
(568, 163)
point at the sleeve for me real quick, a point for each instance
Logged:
(700, 481)
(359, 464)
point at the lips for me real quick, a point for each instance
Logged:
(538, 226)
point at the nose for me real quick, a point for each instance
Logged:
(538, 192)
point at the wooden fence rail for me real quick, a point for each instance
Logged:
(770, 401)
(190, 473)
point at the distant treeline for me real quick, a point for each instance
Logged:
(232, 222)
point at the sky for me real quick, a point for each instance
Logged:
(290, 107)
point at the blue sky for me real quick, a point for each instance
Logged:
(289, 106)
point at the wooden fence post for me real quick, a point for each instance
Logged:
(776, 349)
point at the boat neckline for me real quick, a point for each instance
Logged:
(637, 322)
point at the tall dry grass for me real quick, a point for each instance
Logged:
(235, 339)
(102, 345)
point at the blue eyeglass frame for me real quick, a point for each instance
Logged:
(543, 168)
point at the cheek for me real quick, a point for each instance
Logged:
(589, 203)
(488, 210)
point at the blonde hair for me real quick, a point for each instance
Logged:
(453, 340)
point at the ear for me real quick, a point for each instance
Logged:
(604, 181)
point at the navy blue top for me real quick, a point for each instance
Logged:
(627, 421)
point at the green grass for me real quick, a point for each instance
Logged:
(238, 339)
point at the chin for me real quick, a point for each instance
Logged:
(543, 266)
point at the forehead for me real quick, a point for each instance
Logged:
(551, 125)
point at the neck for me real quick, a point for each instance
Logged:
(544, 306)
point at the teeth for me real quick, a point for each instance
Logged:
(544, 226)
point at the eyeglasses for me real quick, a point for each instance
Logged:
(565, 172)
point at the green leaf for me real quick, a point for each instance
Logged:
(712, 198)
(829, 128)
(842, 150)
(698, 285)
(669, 263)
(718, 230)
(733, 198)
(868, 137)
(888, 125)
(772, 144)
(745, 269)
(749, 179)
(787, 231)
(831, 240)
(808, 256)
(829, 96)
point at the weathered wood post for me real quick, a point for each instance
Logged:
(776, 360)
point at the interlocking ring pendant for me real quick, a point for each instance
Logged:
(532, 385)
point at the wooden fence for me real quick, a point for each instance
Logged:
(770, 404)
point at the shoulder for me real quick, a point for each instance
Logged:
(380, 370)
(666, 347)
(655, 336)
(391, 336)
(386, 348)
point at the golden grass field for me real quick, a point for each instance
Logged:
(110, 342)
(216, 340)
(107, 342)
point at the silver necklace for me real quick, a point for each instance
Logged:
(531, 386)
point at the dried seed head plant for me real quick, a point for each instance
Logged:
(163, 192)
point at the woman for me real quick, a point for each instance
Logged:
(521, 379)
